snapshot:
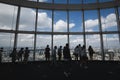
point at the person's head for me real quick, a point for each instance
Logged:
(22, 48)
(55, 47)
(60, 46)
(79, 45)
(1, 48)
(67, 45)
(90, 46)
(26, 48)
(14, 48)
(83, 47)
(47, 46)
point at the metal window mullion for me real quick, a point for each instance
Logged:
(101, 35)
(35, 35)
(52, 31)
(83, 19)
(68, 26)
(17, 26)
(118, 21)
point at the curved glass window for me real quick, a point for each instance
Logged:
(111, 46)
(8, 16)
(89, 1)
(59, 40)
(105, 0)
(60, 1)
(76, 40)
(58, 27)
(108, 19)
(25, 40)
(27, 19)
(60, 21)
(44, 20)
(91, 21)
(75, 1)
(7, 42)
(75, 21)
(94, 41)
(42, 41)
(47, 1)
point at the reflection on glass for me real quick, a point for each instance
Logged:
(41, 42)
(108, 19)
(60, 21)
(91, 21)
(75, 21)
(94, 41)
(44, 20)
(8, 16)
(111, 46)
(27, 19)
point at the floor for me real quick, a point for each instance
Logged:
(61, 70)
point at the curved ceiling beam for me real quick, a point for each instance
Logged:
(51, 6)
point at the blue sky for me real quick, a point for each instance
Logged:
(27, 23)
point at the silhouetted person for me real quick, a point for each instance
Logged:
(91, 52)
(47, 53)
(84, 57)
(64, 52)
(59, 53)
(26, 54)
(80, 49)
(20, 54)
(13, 55)
(76, 52)
(1, 52)
(54, 54)
(67, 57)
(67, 52)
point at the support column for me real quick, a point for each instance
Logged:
(118, 21)
(101, 36)
(84, 38)
(35, 36)
(17, 25)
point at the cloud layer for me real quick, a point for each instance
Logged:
(27, 19)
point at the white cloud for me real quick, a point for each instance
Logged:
(44, 21)
(7, 19)
(107, 22)
(91, 23)
(61, 25)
